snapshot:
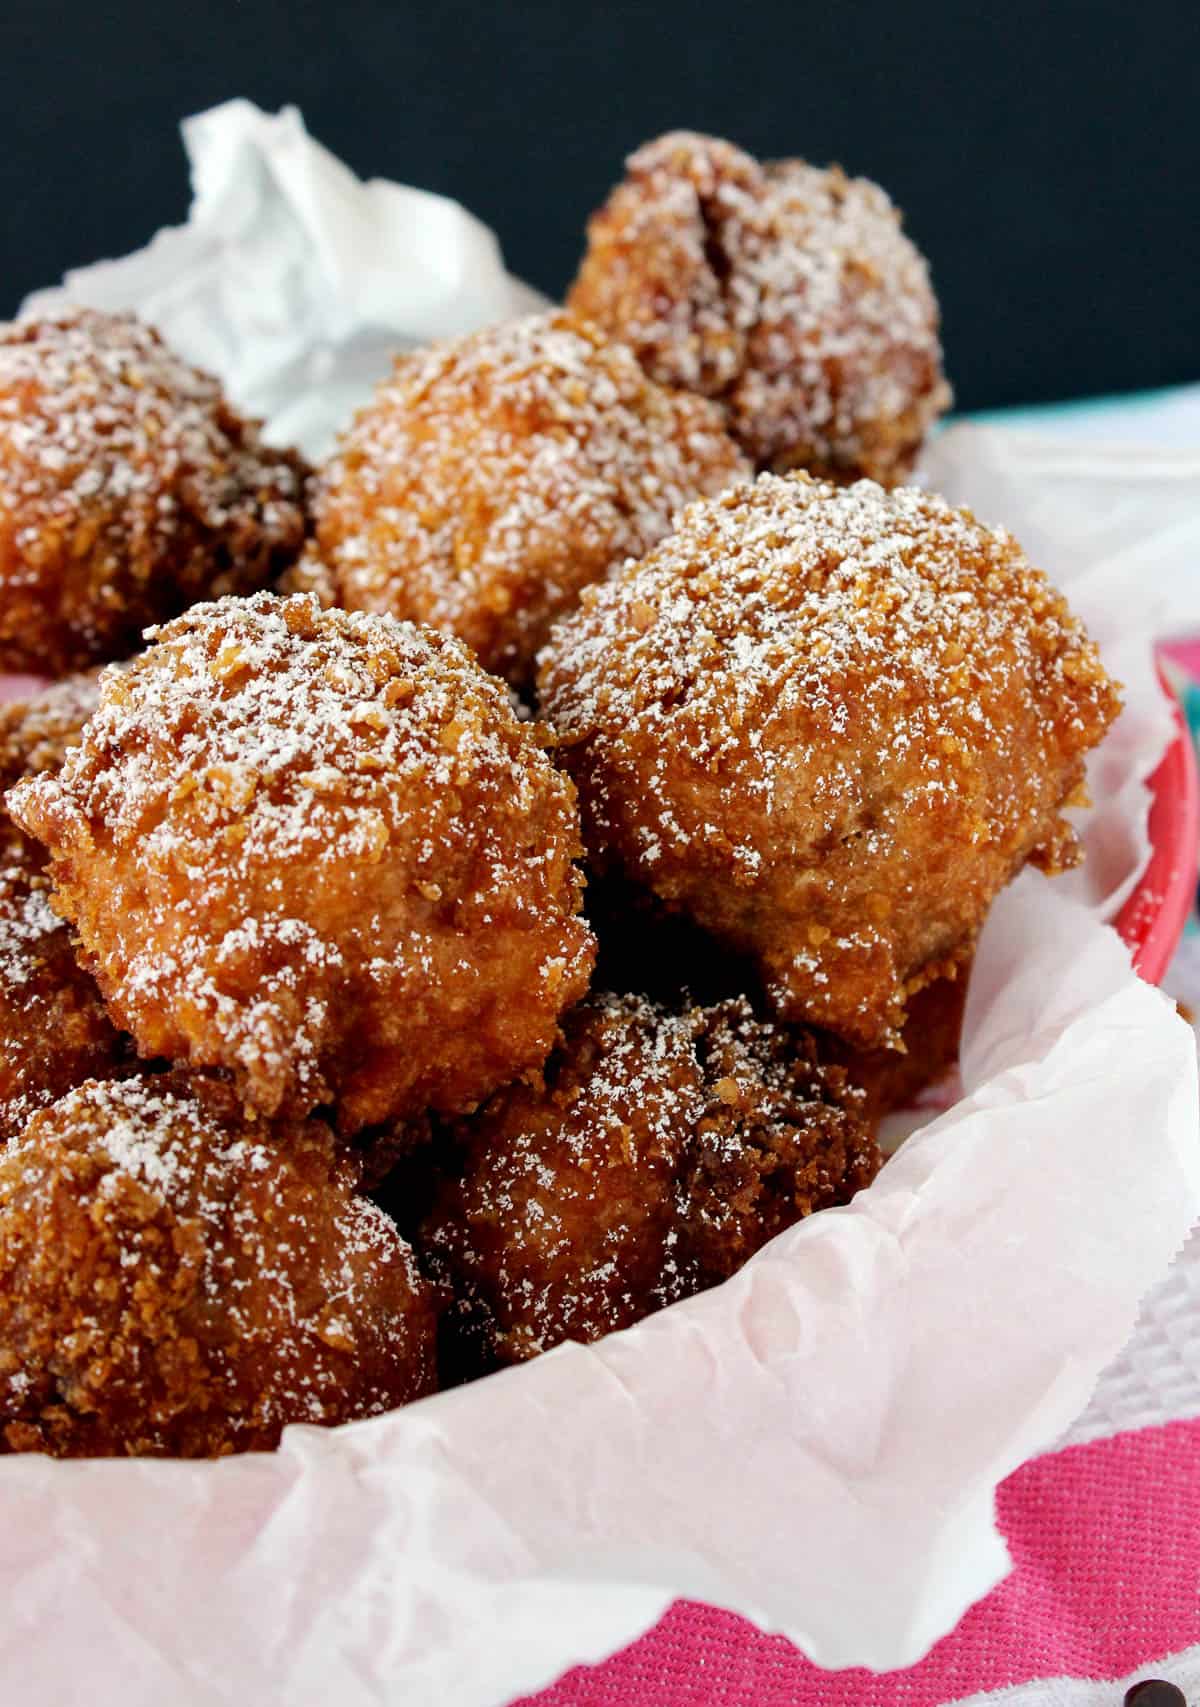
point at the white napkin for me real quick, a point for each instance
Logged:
(296, 282)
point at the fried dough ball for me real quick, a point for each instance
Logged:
(129, 487)
(661, 1151)
(54, 1030)
(829, 724)
(317, 848)
(176, 1282)
(36, 732)
(493, 477)
(787, 293)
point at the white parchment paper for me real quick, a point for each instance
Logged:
(816, 1443)
(295, 281)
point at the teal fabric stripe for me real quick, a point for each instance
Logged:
(1045, 414)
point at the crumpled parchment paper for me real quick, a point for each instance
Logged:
(816, 1443)
(294, 280)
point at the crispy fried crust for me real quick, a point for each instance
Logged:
(36, 732)
(892, 1079)
(174, 1282)
(129, 487)
(829, 724)
(318, 849)
(54, 1030)
(493, 477)
(661, 1151)
(788, 294)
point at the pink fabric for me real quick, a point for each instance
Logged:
(1105, 1542)
(1185, 653)
(16, 687)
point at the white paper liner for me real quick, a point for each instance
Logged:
(815, 1444)
(295, 281)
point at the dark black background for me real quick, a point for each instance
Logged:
(1047, 154)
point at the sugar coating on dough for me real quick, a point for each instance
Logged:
(318, 848)
(176, 1282)
(36, 732)
(129, 487)
(786, 292)
(492, 477)
(829, 723)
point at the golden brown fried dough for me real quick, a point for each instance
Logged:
(54, 1030)
(129, 487)
(788, 294)
(174, 1282)
(493, 477)
(829, 724)
(317, 848)
(36, 732)
(661, 1151)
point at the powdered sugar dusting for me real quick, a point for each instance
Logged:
(35, 733)
(26, 920)
(127, 487)
(787, 292)
(798, 697)
(493, 477)
(283, 792)
(759, 608)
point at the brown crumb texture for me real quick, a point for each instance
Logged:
(175, 1283)
(787, 293)
(35, 735)
(660, 1151)
(129, 487)
(54, 1031)
(828, 724)
(493, 477)
(317, 848)
(36, 732)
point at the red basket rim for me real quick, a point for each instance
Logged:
(1151, 921)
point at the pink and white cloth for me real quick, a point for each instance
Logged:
(1105, 1590)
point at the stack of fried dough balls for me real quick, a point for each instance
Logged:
(292, 898)
(314, 857)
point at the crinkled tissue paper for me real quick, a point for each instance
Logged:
(815, 1444)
